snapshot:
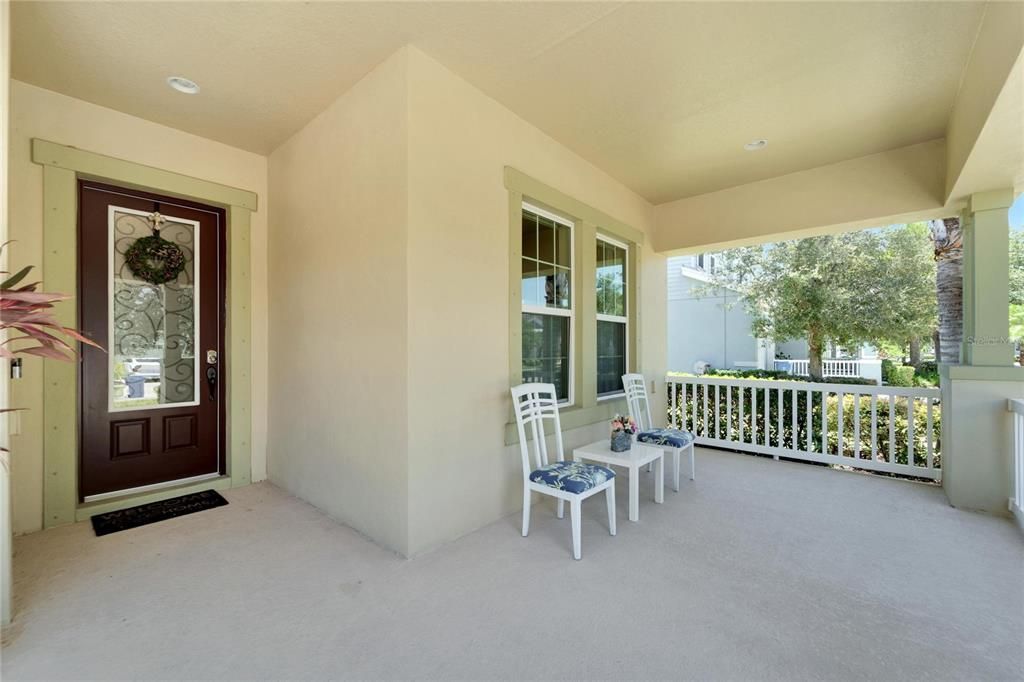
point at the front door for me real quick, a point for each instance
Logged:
(151, 273)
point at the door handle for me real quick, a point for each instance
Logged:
(211, 382)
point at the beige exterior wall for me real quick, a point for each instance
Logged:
(338, 299)
(461, 474)
(389, 259)
(35, 112)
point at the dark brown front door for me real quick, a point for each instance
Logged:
(152, 404)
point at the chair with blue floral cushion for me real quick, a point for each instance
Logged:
(565, 481)
(671, 440)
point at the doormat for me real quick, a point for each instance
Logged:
(144, 514)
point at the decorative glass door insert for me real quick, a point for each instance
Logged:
(153, 316)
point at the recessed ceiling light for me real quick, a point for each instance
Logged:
(182, 84)
(754, 145)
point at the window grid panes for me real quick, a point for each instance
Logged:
(612, 322)
(547, 301)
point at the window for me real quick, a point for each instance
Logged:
(547, 300)
(612, 323)
(563, 256)
(707, 262)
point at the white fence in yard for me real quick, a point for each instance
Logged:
(1017, 459)
(830, 368)
(867, 369)
(849, 425)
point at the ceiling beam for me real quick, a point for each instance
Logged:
(997, 47)
(889, 187)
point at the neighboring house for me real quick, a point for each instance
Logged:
(710, 327)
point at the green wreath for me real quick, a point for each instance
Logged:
(155, 260)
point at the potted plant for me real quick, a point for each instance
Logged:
(623, 429)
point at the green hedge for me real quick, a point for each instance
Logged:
(814, 428)
(780, 376)
(897, 375)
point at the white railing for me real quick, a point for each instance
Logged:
(1017, 460)
(860, 426)
(829, 368)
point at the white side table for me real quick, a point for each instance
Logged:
(633, 459)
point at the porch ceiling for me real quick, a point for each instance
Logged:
(660, 95)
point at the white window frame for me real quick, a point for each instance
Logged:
(707, 262)
(561, 312)
(601, 317)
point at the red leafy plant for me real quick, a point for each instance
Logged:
(26, 315)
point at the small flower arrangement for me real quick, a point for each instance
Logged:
(623, 429)
(626, 424)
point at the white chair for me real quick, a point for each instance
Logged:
(670, 440)
(572, 481)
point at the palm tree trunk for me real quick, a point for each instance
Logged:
(949, 286)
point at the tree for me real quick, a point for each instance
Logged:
(947, 240)
(910, 298)
(1017, 291)
(857, 287)
(1017, 267)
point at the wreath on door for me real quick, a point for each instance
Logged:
(153, 259)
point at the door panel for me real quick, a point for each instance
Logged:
(152, 404)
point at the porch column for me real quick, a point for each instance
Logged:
(976, 431)
(987, 279)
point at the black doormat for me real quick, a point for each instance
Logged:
(133, 517)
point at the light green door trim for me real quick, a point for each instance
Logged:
(60, 379)
(62, 168)
(92, 166)
(238, 341)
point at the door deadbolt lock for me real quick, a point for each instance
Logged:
(211, 357)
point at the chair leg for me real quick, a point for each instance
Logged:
(560, 508)
(609, 495)
(576, 512)
(675, 469)
(526, 511)
(693, 470)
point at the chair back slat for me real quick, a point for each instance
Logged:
(533, 404)
(636, 399)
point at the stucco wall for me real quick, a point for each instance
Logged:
(35, 112)
(338, 308)
(461, 475)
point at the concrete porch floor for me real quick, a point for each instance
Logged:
(757, 570)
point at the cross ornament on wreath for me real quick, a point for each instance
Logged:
(153, 259)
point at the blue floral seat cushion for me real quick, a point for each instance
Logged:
(572, 477)
(674, 438)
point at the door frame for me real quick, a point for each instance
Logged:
(63, 167)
